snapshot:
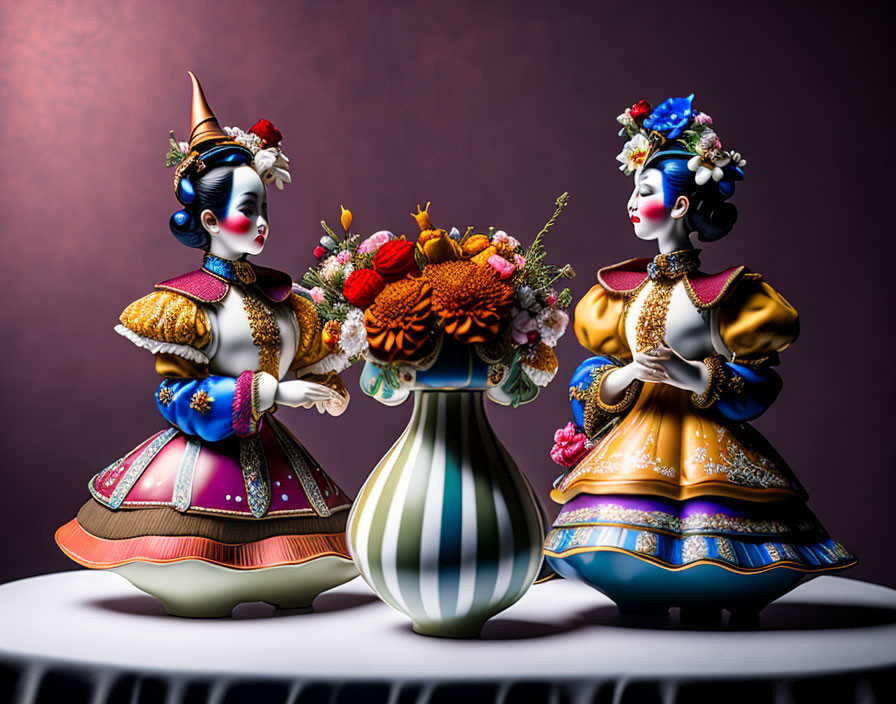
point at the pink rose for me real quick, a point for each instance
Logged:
(374, 242)
(552, 299)
(317, 294)
(320, 252)
(569, 446)
(520, 261)
(504, 268)
(344, 256)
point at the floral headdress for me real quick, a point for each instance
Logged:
(262, 140)
(675, 126)
(260, 145)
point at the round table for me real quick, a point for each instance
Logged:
(88, 636)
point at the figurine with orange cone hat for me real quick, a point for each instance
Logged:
(224, 505)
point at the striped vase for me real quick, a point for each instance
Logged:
(446, 529)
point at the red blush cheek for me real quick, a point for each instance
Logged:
(237, 222)
(652, 208)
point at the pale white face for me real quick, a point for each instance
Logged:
(646, 207)
(651, 218)
(244, 230)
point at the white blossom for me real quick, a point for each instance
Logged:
(353, 336)
(552, 324)
(633, 154)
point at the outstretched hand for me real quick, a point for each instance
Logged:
(307, 394)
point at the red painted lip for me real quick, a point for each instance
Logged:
(635, 218)
(260, 239)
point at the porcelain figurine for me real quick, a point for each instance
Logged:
(224, 505)
(446, 529)
(671, 498)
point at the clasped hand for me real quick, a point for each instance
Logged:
(664, 365)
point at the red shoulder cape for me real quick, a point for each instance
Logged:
(205, 287)
(705, 290)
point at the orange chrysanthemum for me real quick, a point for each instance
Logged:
(470, 299)
(397, 321)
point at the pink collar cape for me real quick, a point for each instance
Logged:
(205, 287)
(705, 290)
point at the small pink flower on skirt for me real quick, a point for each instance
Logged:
(504, 268)
(569, 446)
(317, 294)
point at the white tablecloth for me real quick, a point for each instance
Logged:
(88, 636)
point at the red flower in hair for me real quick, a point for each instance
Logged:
(362, 286)
(395, 260)
(640, 110)
(270, 135)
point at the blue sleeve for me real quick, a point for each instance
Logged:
(749, 392)
(200, 407)
(581, 380)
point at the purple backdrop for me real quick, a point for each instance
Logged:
(489, 110)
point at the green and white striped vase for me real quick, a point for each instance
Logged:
(446, 529)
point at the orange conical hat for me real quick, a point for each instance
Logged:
(204, 127)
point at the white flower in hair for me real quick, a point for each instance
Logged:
(634, 154)
(249, 140)
(708, 167)
(272, 166)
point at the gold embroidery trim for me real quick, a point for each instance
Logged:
(650, 330)
(715, 368)
(309, 323)
(265, 333)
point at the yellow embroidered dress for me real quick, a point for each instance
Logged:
(675, 481)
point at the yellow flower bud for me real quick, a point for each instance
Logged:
(345, 218)
(438, 246)
(474, 245)
(482, 258)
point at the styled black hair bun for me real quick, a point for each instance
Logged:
(207, 190)
(713, 218)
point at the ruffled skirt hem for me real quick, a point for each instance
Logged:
(678, 553)
(101, 553)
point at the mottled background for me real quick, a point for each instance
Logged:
(488, 109)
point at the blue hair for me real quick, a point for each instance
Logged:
(709, 213)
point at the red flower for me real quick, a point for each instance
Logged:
(320, 252)
(270, 135)
(395, 260)
(362, 287)
(569, 446)
(640, 110)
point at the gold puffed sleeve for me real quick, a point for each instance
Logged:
(599, 323)
(165, 316)
(311, 347)
(756, 321)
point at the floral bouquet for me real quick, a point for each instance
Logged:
(395, 302)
